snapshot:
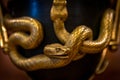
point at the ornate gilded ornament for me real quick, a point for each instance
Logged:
(28, 33)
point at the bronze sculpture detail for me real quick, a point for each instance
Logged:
(28, 33)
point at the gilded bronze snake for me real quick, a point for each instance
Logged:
(59, 14)
(28, 33)
(43, 61)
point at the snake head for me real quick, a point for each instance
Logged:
(56, 51)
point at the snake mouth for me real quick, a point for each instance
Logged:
(57, 51)
(64, 56)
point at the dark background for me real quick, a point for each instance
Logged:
(80, 12)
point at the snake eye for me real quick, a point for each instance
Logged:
(57, 49)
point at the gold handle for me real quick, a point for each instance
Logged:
(115, 38)
(3, 34)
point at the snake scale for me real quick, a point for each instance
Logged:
(42, 61)
(28, 33)
(59, 14)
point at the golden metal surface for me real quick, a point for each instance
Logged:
(59, 14)
(102, 65)
(3, 34)
(44, 61)
(113, 44)
(116, 28)
(28, 33)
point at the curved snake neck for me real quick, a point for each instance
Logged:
(59, 14)
(55, 55)
(22, 26)
(43, 61)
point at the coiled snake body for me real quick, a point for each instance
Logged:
(55, 55)
(43, 61)
(59, 14)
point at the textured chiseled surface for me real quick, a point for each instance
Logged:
(80, 16)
